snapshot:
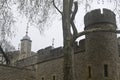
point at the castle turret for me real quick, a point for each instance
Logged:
(101, 47)
(25, 50)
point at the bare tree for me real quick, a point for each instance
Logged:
(6, 19)
(37, 11)
(6, 23)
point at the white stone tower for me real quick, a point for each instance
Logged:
(25, 50)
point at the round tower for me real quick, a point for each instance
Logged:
(101, 47)
(25, 50)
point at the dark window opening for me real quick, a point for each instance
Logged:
(119, 50)
(89, 71)
(53, 77)
(42, 78)
(105, 70)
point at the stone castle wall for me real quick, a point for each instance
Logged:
(40, 57)
(54, 67)
(13, 73)
(50, 63)
(50, 69)
(48, 54)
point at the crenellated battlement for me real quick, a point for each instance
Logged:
(42, 56)
(99, 16)
(48, 54)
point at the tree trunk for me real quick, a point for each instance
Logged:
(67, 36)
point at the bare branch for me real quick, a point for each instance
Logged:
(75, 10)
(87, 6)
(95, 30)
(2, 5)
(5, 56)
(4, 14)
(74, 28)
(56, 7)
(115, 5)
(73, 17)
(70, 6)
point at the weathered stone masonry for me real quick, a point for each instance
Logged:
(101, 47)
(14, 73)
(96, 56)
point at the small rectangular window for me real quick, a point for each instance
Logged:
(42, 78)
(105, 70)
(53, 77)
(89, 71)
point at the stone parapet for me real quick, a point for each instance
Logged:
(47, 55)
(41, 57)
(97, 17)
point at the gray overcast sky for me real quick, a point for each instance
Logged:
(40, 41)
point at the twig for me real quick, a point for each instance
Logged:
(73, 17)
(56, 7)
